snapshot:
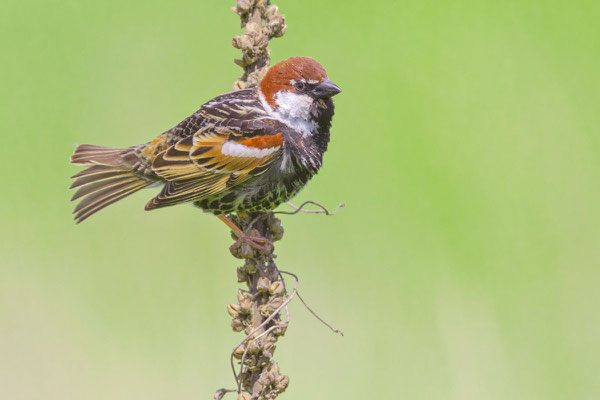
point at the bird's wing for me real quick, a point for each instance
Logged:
(215, 159)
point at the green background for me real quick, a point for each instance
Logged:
(465, 145)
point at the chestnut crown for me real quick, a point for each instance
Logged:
(298, 75)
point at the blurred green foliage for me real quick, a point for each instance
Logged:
(465, 144)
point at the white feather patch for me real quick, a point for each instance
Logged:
(293, 105)
(234, 149)
(293, 110)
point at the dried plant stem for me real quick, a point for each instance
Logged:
(261, 22)
(317, 316)
(258, 309)
(253, 338)
(321, 210)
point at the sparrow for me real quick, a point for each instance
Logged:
(242, 152)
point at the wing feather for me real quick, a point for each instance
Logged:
(197, 166)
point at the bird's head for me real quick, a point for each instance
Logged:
(296, 87)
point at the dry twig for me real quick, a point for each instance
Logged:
(261, 22)
(257, 312)
(258, 309)
(321, 210)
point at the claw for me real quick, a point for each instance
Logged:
(254, 242)
(247, 244)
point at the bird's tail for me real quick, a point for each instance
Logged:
(109, 178)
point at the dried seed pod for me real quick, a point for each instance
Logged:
(235, 249)
(246, 251)
(250, 266)
(274, 303)
(271, 11)
(243, 396)
(243, 295)
(274, 368)
(253, 28)
(243, 6)
(237, 325)
(270, 376)
(254, 233)
(234, 310)
(258, 387)
(282, 382)
(268, 349)
(281, 31)
(261, 40)
(275, 229)
(264, 310)
(245, 306)
(235, 42)
(263, 284)
(268, 249)
(276, 288)
(250, 362)
(280, 330)
(253, 347)
(245, 41)
(240, 295)
(239, 352)
(239, 85)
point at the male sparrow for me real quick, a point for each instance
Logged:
(244, 151)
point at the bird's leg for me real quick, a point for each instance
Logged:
(253, 241)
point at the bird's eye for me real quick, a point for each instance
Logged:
(299, 85)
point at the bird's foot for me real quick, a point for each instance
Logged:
(257, 242)
(248, 245)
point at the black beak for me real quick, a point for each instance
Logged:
(325, 89)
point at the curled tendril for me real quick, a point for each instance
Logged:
(323, 209)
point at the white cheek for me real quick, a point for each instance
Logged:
(294, 110)
(293, 105)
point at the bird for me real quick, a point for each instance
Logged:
(245, 151)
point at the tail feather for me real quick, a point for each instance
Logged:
(95, 187)
(87, 154)
(98, 201)
(109, 178)
(86, 176)
(96, 169)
